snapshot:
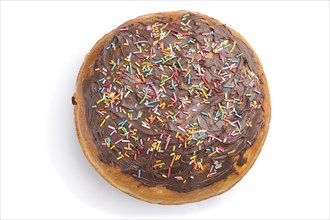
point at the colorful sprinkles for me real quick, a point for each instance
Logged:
(175, 110)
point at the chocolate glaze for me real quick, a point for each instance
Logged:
(186, 174)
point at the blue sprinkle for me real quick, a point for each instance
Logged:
(205, 114)
(154, 101)
(227, 86)
(122, 123)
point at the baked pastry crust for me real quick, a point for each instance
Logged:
(159, 194)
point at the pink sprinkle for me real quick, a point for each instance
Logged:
(167, 141)
(141, 41)
(251, 83)
(153, 87)
(118, 141)
(216, 138)
(257, 91)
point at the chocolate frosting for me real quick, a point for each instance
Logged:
(174, 102)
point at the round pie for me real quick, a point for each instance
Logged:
(172, 107)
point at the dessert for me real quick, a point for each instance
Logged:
(172, 107)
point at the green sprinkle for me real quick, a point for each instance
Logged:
(113, 66)
(144, 97)
(165, 80)
(239, 55)
(179, 64)
(130, 68)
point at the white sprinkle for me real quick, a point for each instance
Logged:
(111, 127)
(127, 93)
(199, 131)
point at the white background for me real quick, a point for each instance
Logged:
(44, 173)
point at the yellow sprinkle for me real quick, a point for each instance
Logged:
(164, 26)
(163, 175)
(231, 50)
(162, 105)
(201, 165)
(121, 156)
(226, 120)
(102, 123)
(136, 63)
(199, 142)
(185, 76)
(99, 101)
(232, 151)
(112, 147)
(172, 162)
(124, 111)
(138, 70)
(160, 164)
(211, 154)
(187, 117)
(173, 149)
(217, 167)
(159, 119)
(204, 93)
